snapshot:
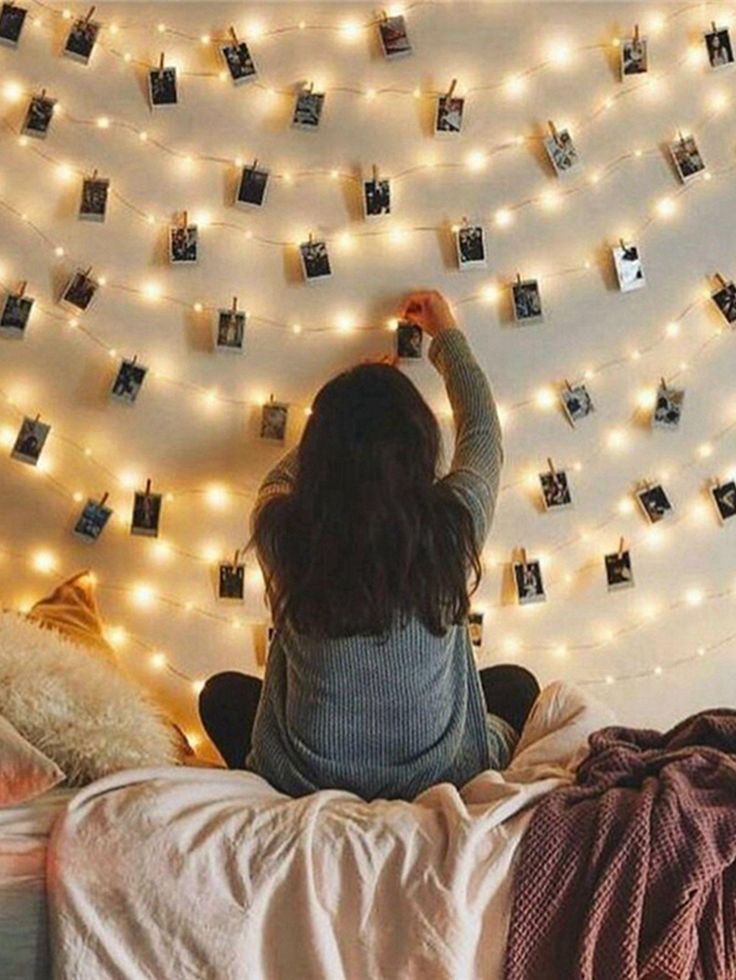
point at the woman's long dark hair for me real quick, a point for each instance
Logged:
(368, 532)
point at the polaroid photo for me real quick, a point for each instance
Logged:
(555, 490)
(183, 244)
(308, 110)
(470, 245)
(528, 582)
(668, 407)
(38, 117)
(163, 90)
(315, 260)
(629, 268)
(252, 187)
(91, 522)
(619, 574)
(475, 628)
(81, 40)
(79, 292)
(562, 153)
(724, 498)
(527, 301)
(12, 19)
(30, 441)
(634, 56)
(725, 299)
(376, 197)
(576, 402)
(128, 382)
(687, 159)
(231, 581)
(274, 417)
(93, 204)
(719, 47)
(394, 37)
(654, 502)
(238, 61)
(230, 331)
(448, 120)
(146, 514)
(15, 314)
(409, 340)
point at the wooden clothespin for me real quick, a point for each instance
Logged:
(663, 384)
(310, 88)
(311, 238)
(161, 63)
(622, 243)
(134, 359)
(568, 385)
(518, 278)
(375, 173)
(148, 488)
(621, 547)
(720, 280)
(235, 304)
(22, 288)
(236, 556)
(103, 498)
(255, 164)
(37, 420)
(384, 16)
(270, 400)
(43, 93)
(681, 137)
(714, 26)
(233, 34)
(94, 174)
(89, 15)
(636, 33)
(553, 131)
(522, 552)
(551, 466)
(184, 219)
(451, 89)
(88, 272)
(465, 222)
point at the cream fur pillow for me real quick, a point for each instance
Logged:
(79, 711)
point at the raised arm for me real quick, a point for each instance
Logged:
(279, 479)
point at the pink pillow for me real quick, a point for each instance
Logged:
(24, 771)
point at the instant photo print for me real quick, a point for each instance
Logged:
(448, 120)
(231, 581)
(238, 61)
(470, 246)
(376, 196)
(93, 203)
(308, 110)
(315, 260)
(724, 298)
(629, 269)
(555, 489)
(79, 292)
(252, 187)
(619, 574)
(562, 152)
(128, 382)
(409, 339)
(12, 19)
(81, 40)
(724, 499)
(30, 441)
(687, 159)
(93, 519)
(394, 37)
(528, 582)
(634, 56)
(146, 514)
(475, 628)
(16, 311)
(576, 402)
(231, 330)
(163, 88)
(527, 301)
(719, 48)
(183, 244)
(274, 416)
(654, 502)
(38, 116)
(668, 407)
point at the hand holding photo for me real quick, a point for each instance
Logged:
(231, 329)
(629, 269)
(394, 37)
(409, 338)
(79, 291)
(619, 574)
(718, 46)
(376, 195)
(82, 38)
(654, 502)
(128, 382)
(668, 407)
(634, 55)
(163, 89)
(93, 204)
(724, 297)
(527, 300)
(555, 488)
(448, 120)
(315, 260)
(15, 314)
(91, 522)
(528, 581)
(274, 416)
(470, 245)
(475, 628)
(38, 116)
(183, 243)
(724, 498)
(561, 151)
(238, 60)
(146, 512)
(308, 109)
(252, 186)
(687, 159)
(12, 19)
(231, 580)
(30, 441)
(576, 402)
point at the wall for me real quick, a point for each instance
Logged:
(671, 651)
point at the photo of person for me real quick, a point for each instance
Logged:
(231, 581)
(162, 87)
(394, 37)
(376, 197)
(719, 48)
(308, 110)
(475, 628)
(15, 314)
(92, 520)
(238, 62)
(128, 382)
(12, 19)
(654, 502)
(555, 490)
(252, 187)
(79, 292)
(81, 40)
(576, 402)
(619, 574)
(30, 441)
(724, 498)
(315, 260)
(38, 118)
(725, 299)
(528, 581)
(629, 269)
(146, 514)
(274, 416)
(409, 338)
(470, 245)
(448, 120)
(93, 204)
(687, 158)
(527, 300)
(183, 244)
(230, 331)
(562, 153)
(668, 407)
(634, 56)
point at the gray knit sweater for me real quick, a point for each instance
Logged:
(389, 719)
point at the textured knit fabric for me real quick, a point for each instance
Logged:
(389, 716)
(631, 873)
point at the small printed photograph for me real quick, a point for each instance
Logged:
(394, 36)
(527, 300)
(231, 581)
(308, 110)
(183, 244)
(274, 416)
(634, 56)
(724, 497)
(12, 19)
(725, 299)
(409, 338)
(555, 489)
(162, 87)
(93, 204)
(81, 40)
(475, 628)
(15, 315)
(38, 118)
(231, 331)
(719, 48)
(629, 268)
(470, 243)
(687, 158)
(128, 382)
(92, 520)
(668, 407)
(528, 581)
(146, 514)
(654, 502)
(562, 153)
(448, 120)
(238, 62)
(618, 571)
(315, 260)
(30, 441)
(79, 292)
(576, 402)
(376, 197)
(252, 187)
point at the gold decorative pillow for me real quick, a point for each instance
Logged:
(72, 610)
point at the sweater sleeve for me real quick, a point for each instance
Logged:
(279, 479)
(476, 463)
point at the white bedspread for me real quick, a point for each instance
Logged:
(167, 874)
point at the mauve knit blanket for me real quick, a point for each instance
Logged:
(631, 872)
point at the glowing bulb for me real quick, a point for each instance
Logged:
(515, 85)
(550, 200)
(66, 14)
(127, 57)
(64, 171)
(655, 23)
(646, 398)
(152, 291)
(625, 506)
(370, 93)
(560, 651)
(216, 496)
(78, 497)
(210, 553)
(12, 91)
(113, 28)
(143, 136)
(693, 597)
(116, 635)
(719, 101)
(255, 578)
(198, 686)
(44, 562)
(705, 450)
(157, 660)
(256, 29)
(350, 30)
(658, 671)
(103, 122)
(198, 307)
(205, 39)
(344, 322)
(392, 323)
(503, 218)
(296, 328)
(673, 328)
(161, 28)
(143, 594)
(666, 207)
(700, 651)
(345, 240)
(476, 160)
(616, 439)
(560, 55)
(490, 294)
(609, 679)
(398, 236)
(59, 251)
(545, 398)
(161, 550)
(511, 646)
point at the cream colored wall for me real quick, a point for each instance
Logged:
(173, 436)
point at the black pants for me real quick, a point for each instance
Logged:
(228, 704)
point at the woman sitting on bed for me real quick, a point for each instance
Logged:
(369, 562)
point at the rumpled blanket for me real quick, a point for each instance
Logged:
(631, 872)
